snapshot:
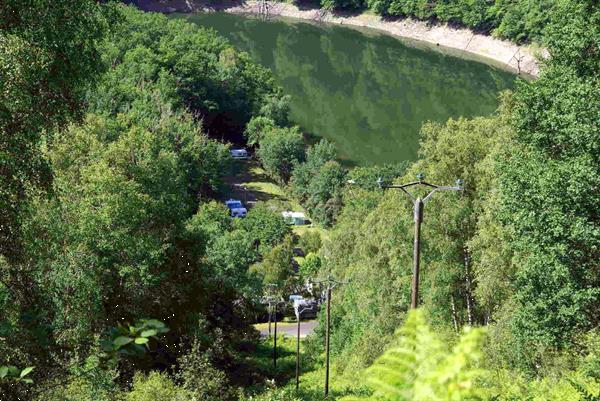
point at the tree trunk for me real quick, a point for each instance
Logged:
(454, 317)
(467, 263)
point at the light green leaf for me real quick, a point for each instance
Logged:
(141, 340)
(3, 371)
(121, 341)
(155, 323)
(149, 333)
(26, 371)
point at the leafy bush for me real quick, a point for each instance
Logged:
(310, 242)
(156, 387)
(310, 266)
(343, 4)
(201, 379)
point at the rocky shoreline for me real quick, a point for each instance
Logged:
(458, 41)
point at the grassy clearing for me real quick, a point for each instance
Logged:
(301, 230)
(249, 182)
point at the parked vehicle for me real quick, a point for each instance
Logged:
(236, 208)
(294, 218)
(308, 308)
(239, 154)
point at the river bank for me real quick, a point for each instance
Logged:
(458, 41)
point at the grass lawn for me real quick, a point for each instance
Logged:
(250, 183)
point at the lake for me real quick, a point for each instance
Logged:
(367, 92)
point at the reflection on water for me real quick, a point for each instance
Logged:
(369, 94)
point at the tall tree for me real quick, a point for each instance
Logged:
(550, 184)
(44, 73)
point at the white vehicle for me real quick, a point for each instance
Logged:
(294, 218)
(239, 154)
(236, 208)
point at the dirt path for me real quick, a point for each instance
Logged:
(458, 41)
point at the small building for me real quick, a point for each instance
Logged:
(294, 218)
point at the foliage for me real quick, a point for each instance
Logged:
(201, 379)
(419, 368)
(310, 242)
(44, 74)
(325, 193)
(318, 182)
(156, 387)
(366, 177)
(128, 221)
(342, 4)
(15, 374)
(310, 266)
(266, 225)
(371, 244)
(214, 80)
(132, 339)
(276, 267)
(518, 20)
(256, 129)
(280, 150)
(546, 182)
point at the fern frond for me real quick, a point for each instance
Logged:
(420, 369)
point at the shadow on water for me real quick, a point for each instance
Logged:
(367, 92)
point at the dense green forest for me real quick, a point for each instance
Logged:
(517, 20)
(122, 276)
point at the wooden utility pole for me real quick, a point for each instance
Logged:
(272, 302)
(331, 284)
(417, 252)
(327, 346)
(298, 318)
(275, 342)
(419, 206)
(298, 353)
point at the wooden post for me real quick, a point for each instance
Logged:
(298, 352)
(416, 253)
(327, 340)
(269, 312)
(275, 342)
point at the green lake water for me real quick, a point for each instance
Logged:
(367, 92)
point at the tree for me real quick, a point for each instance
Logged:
(325, 193)
(280, 150)
(43, 78)
(317, 183)
(257, 128)
(316, 156)
(265, 225)
(276, 267)
(547, 180)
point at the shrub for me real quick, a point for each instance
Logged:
(310, 242)
(156, 387)
(202, 379)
